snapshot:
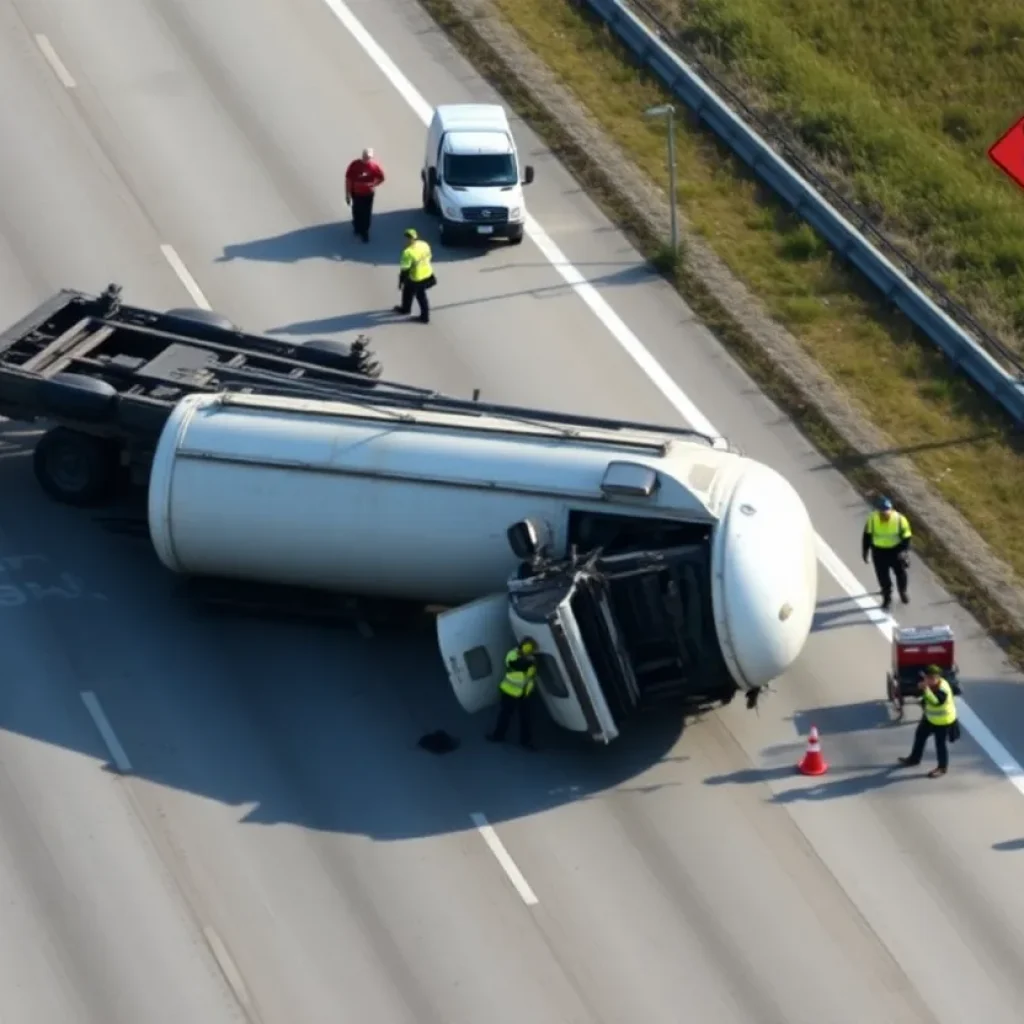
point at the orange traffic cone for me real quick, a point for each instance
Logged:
(813, 762)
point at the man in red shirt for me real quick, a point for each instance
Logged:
(361, 181)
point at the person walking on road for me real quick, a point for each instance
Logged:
(361, 181)
(516, 690)
(938, 720)
(886, 542)
(415, 276)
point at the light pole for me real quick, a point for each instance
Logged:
(668, 111)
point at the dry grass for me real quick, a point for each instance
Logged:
(958, 439)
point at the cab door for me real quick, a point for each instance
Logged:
(546, 616)
(474, 639)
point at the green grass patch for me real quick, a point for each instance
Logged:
(897, 103)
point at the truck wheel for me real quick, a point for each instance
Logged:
(77, 397)
(202, 316)
(75, 468)
(429, 205)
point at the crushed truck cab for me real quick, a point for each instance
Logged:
(623, 633)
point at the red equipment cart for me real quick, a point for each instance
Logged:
(914, 648)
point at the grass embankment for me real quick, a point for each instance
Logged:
(960, 442)
(896, 103)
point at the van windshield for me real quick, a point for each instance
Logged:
(480, 170)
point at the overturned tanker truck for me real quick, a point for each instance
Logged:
(652, 566)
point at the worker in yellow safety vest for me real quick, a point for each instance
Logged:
(516, 688)
(415, 276)
(886, 541)
(938, 720)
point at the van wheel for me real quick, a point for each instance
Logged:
(429, 204)
(75, 468)
(516, 239)
(447, 236)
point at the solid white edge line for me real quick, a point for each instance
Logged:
(113, 744)
(62, 73)
(227, 966)
(504, 858)
(660, 378)
(179, 268)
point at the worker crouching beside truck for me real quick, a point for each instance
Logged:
(886, 541)
(939, 719)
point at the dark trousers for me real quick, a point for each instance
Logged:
(415, 290)
(924, 730)
(888, 563)
(509, 706)
(362, 213)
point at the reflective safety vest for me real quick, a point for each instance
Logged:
(416, 260)
(887, 534)
(936, 713)
(516, 683)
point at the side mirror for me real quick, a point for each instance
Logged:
(527, 539)
(528, 175)
(432, 177)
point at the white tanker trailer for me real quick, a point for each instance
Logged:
(648, 567)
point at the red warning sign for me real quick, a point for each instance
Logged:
(1007, 153)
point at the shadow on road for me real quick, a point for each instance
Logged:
(336, 242)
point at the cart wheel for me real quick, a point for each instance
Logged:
(894, 696)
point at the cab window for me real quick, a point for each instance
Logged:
(478, 663)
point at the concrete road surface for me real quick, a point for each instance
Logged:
(213, 819)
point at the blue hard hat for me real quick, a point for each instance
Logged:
(884, 505)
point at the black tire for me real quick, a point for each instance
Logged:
(74, 396)
(328, 353)
(202, 316)
(429, 205)
(446, 236)
(516, 239)
(75, 468)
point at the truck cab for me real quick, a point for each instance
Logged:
(635, 626)
(471, 176)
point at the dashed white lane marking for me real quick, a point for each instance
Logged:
(231, 973)
(116, 751)
(191, 286)
(663, 381)
(62, 73)
(504, 858)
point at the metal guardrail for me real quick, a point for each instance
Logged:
(965, 342)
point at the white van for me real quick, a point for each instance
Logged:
(471, 173)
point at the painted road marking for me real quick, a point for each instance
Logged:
(117, 754)
(504, 858)
(55, 62)
(661, 379)
(231, 973)
(191, 286)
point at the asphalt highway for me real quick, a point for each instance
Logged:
(212, 819)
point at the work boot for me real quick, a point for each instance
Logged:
(423, 319)
(907, 762)
(886, 602)
(904, 597)
(936, 773)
